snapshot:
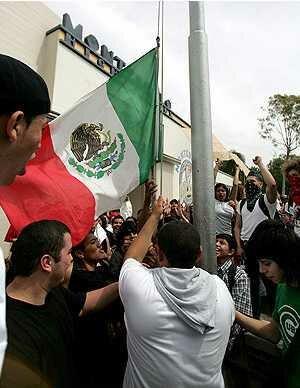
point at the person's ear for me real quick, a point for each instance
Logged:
(231, 252)
(46, 263)
(162, 259)
(15, 126)
(198, 261)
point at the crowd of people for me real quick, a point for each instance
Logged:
(130, 304)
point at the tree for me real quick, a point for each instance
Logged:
(274, 167)
(280, 123)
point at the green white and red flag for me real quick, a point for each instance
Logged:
(92, 156)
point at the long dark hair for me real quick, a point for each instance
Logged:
(218, 185)
(273, 240)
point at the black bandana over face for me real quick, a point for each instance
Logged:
(253, 192)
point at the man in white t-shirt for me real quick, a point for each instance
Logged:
(178, 317)
(257, 207)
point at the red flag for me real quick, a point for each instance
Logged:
(48, 191)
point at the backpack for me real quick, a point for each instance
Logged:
(263, 208)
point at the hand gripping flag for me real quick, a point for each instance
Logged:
(92, 156)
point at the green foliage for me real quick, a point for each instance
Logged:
(280, 122)
(255, 170)
(229, 166)
(274, 167)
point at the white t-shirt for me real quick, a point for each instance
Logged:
(224, 214)
(3, 333)
(250, 220)
(163, 351)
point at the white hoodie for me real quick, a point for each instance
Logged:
(178, 324)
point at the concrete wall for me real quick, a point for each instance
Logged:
(22, 30)
(70, 71)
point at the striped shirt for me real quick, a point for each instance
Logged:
(240, 294)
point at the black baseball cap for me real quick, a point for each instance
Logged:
(21, 88)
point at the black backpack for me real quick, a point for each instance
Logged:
(263, 208)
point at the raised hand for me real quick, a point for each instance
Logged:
(150, 191)
(257, 160)
(159, 206)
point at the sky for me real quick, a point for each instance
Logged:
(253, 50)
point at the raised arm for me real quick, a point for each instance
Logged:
(140, 245)
(234, 190)
(150, 190)
(265, 329)
(271, 189)
(181, 214)
(237, 235)
(216, 168)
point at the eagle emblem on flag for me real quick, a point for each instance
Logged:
(96, 151)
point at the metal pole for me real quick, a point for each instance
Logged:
(202, 156)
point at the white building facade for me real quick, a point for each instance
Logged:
(72, 65)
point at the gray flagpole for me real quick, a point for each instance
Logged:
(202, 156)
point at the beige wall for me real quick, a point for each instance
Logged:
(175, 138)
(22, 35)
(22, 30)
(73, 78)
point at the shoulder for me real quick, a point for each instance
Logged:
(224, 297)
(240, 205)
(267, 203)
(132, 264)
(221, 286)
(133, 269)
(135, 281)
(74, 302)
(240, 273)
(241, 282)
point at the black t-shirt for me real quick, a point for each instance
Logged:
(41, 341)
(85, 281)
(101, 352)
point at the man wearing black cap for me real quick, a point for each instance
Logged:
(24, 100)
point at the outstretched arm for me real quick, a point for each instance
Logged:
(265, 329)
(237, 235)
(270, 182)
(99, 299)
(218, 163)
(140, 245)
(180, 213)
(150, 190)
(234, 190)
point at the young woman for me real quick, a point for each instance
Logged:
(224, 210)
(223, 207)
(277, 249)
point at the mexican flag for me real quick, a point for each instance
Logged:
(92, 156)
